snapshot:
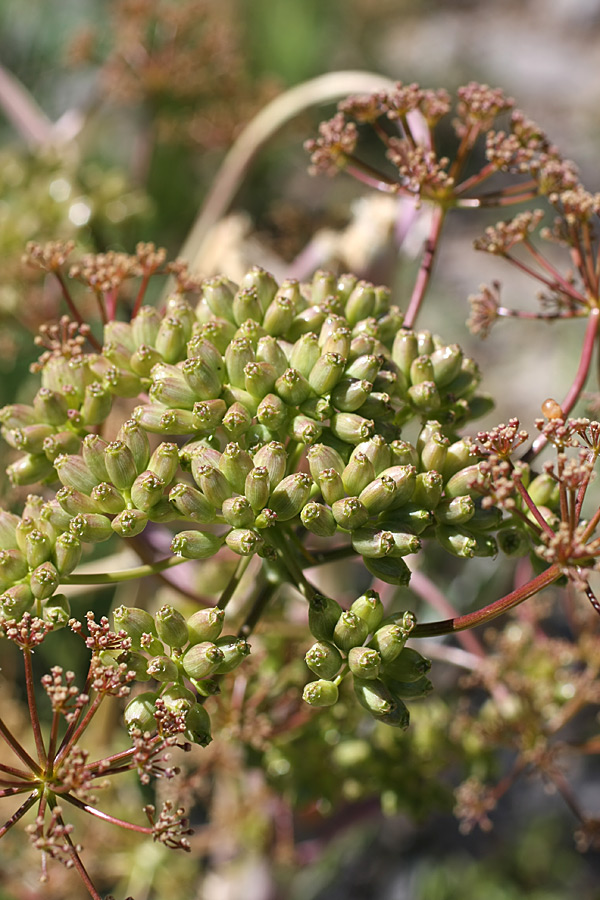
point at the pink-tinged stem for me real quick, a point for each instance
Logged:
(481, 616)
(524, 494)
(140, 295)
(78, 864)
(587, 351)
(35, 719)
(557, 277)
(426, 267)
(372, 178)
(141, 829)
(111, 303)
(12, 770)
(83, 724)
(18, 749)
(486, 201)
(485, 173)
(67, 296)
(18, 814)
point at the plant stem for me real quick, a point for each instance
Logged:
(481, 616)
(579, 381)
(19, 813)
(18, 749)
(35, 719)
(425, 270)
(233, 582)
(141, 829)
(126, 574)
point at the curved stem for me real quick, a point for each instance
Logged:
(126, 574)
(481, 616)
(579, 381)
(426, 268)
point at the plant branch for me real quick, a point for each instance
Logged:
(426, 268)
(126, 574)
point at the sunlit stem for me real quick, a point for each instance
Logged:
(125, 574)
(426, 267)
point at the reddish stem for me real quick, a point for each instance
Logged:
(18, 749)
(426, 267)
(524, 494)
(579, 381)
(83, 724)
(481, 616)
(106, 817)
(140, 295)
(35, 719)
(18, 814)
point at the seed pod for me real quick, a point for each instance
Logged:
(305, 430)
(171, 627)
(73, 472)
(389, 640)
(91, 527)
(97, 403)
(178, 699)
(135, 662)
(145, 325)
(374, 697)
(391, 569)
(364, 663)
(290, 495)
(164, 462)
(235, 464)
(144, 359)
(197, 726)
(273, 456)
(338, 342)
(292, 387)
(53, 519)
(305, 353)
(237, 356)
(318, 519)
(421, 370)
(446, 362)
(74, 502)
(324, 659)
(209, 415)
(425, 397)
(542, 489)
(320, 693)
(280, 312)
(257, 487)
(130, 522)
(135, 623)
(192, 504)
(364, 367)
(43, 581)
(56, 612)
(49, 406)
(196, 544)
(259, 378)
(139, 712)
(456, 511)
(321, 457)
(38, 547)
(379, 494)
(251, 330)
(351, 428)
(92, 452)
(262, 282)
(8, 525)
(405, 350)
(18, 415)
(67, 553)
(323, 614)
(272, 412)
(244, 541)
(205, 625)
(358, 473)
(326, 372)
(30, 438)
(171, 339)
(202, 659)
(16, 601)
(13, 567)
(120, 465)
(237, 420)
(409, 690)
(361, 303)
(350, 513)
(147, 490)
(212, 483)
(61, 442)
(107, 499)
(433, 454)
(349, 631)
(428, 489)
(460, 455)
(408, 666)
(137, 441)
(237, 512)
(459, 543)
(157, 420)
(234, 650)
(464, 482)
(350, 394)
(372, 542)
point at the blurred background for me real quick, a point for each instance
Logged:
(115, 117)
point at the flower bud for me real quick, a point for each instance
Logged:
(43, 581)
(409, 666)
(292, 387)
(139, 712)
(205, 625)
(196, 544)
(351, 428)
(349, 631)
(324, 659)
(323, 614)
(318, 519)
(91, 527)
(234, 649)
(197, 726)
(320, 693)
(364, 662)
(290, 495)
(202, 659)
(130, 522)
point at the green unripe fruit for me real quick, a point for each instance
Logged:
(44, 581)
(205, 625)
(324, 659)
(196, 544)
(408, 666)
(374, 696)
(139, 712)
(67, 553)
(130, 522)
(290, 495)
(349, 631)
(323, 614)
(409, 690)
(350, 513)
(202, 659)
(320, 693)
(171, 627)
(178, 699)
(364, 662)
(389, 640)
(197, 726)
(318, 519)
(135, 623)
(17, 600)
(93, 528)
(238, 512)
(135, 662)
(234, 650)
(513, 542)
(244, 541)
(370, 608)
(56, 611)
(162, 668)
